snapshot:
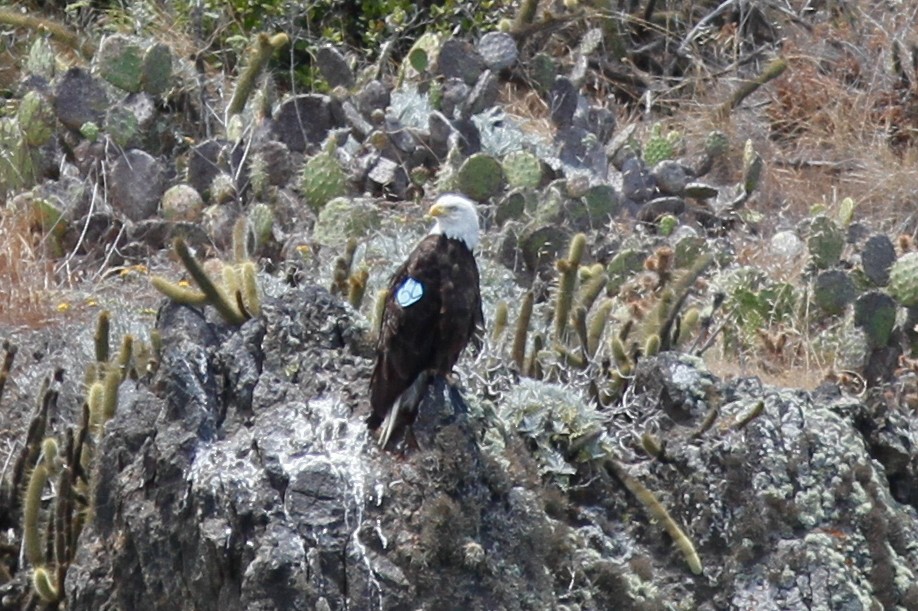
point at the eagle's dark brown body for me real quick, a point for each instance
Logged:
(425, 336)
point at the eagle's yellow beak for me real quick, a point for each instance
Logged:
(435, 211)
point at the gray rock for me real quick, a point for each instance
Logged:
(671, 177)
(275, 156)
(455, 94)
(334, 67)
(562, 102)
(484, 95)
(182, 203)
(459, 59)
(304, 120)
(638, 183)
(79, 98)
(373, 96)
(136, 183)
(211, 158)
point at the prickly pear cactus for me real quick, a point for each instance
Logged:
(41, 60)
(825, 242)
(121, 125)
(877, 258)
(522, 169)
(659, 147)
(833, 290)
(36, 119)
(156, 71)
(323, 179)
(903, 280)
(480, 177)
(261, 221)
(875, 314)
(16, 170)
(716, 143)
(120, 62)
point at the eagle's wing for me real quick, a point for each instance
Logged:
(408, 335)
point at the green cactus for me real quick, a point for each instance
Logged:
(210, 293)
(522, 169)
(660, 147)
(261, 222)
(903, 280)
(323, 179)
(36, 119)
(41, 60)
(101, 338)
(568, 269)
(156, 70)
(658, 512)
(716, 144)
(499, 327)
(825, 241)
(44, 586)
(90, 131)
(623, 265)
(510, 207)
(256, 59)
(120, 62)
(32, 540)
(752, 168)
(833, 290)
(875, 314)
(602, 203)
(121, 126)
(521, 331)
(480, 177)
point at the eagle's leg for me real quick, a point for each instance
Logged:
(455, 394)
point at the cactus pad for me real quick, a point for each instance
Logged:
(120, 62)
(825, 242)
(903, 280)
(522, 169)
(322, 179)
(480, 177)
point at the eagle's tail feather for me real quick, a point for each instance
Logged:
(404, 409)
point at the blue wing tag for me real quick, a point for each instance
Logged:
(409, 293)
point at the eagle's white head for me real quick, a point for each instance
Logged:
(456, 218)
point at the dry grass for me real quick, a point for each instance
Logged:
(27, 275)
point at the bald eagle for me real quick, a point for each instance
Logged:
(432, 310)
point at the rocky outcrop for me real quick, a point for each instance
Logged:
(243, 478)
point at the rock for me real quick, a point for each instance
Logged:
(484, 95)
(79, 98)
(459, 59)
(787, 244)
(182, 203)
(304, 120)
(275, 157)
(373, 96)
(671, 177)
(455, 94)
(657, 207)
(562, 102)
(637, 183)
(135, 184)
(598, 121)
(334, 67)
(210, 159)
